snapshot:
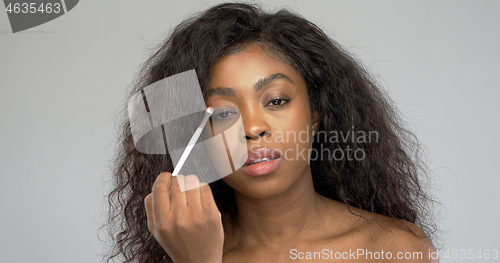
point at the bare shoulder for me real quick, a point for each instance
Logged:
(371, 232)
(401, 235)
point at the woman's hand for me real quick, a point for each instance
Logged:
(186, 224)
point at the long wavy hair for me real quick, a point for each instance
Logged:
(387, 181)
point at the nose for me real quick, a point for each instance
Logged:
(254, 137)
(255, 125)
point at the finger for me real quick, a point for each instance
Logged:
(178, 198)
(148, 203)
(181, 179)
(160, 196)
(193, 194)
(207, 199)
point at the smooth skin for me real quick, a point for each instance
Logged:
(279, 214)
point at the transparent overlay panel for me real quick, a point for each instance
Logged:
(165, 115)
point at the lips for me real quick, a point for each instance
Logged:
(261, 161)
(256, 155)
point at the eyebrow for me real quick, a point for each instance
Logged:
(260, 84)
(269, 79)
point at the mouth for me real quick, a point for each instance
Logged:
(261, 161)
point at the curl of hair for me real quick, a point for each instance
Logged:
(386, 182)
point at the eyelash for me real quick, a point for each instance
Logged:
(284, 100)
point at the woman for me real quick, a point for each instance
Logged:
(356, 188)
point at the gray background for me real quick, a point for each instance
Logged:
(63, 82)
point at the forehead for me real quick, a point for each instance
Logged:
(248, 66)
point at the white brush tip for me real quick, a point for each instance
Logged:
(210, 110)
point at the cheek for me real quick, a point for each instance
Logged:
(298, 125)
(297, 137)
(228, 151)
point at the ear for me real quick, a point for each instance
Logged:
(315, 121)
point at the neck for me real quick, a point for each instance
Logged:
(291, 215)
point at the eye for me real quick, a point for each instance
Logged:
(278, 102)
(223, 114)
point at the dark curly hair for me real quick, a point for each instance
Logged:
(386, 182)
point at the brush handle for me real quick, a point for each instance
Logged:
(192, 141)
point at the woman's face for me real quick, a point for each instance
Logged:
(271, 97)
